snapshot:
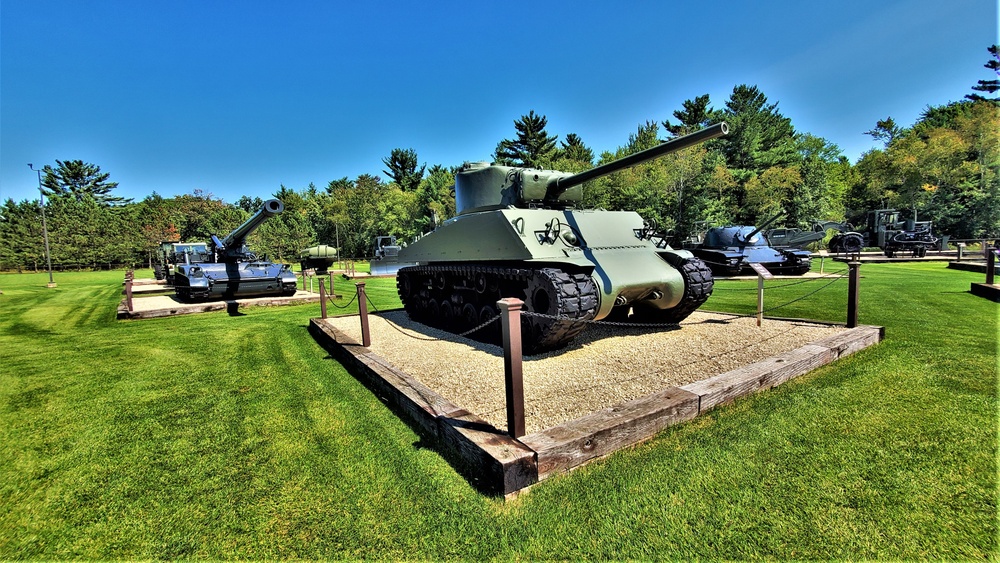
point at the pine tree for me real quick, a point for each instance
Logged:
(696, 114)
(76, 179)
(989, 86)
(403, 169)
(534, 147)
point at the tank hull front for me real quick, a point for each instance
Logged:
(232, 280)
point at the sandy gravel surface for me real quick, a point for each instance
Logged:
(603, 367)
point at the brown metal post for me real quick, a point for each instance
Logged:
(322, 299)
(760, 299)
(510, 320)
(991, 264)
(853, 277)
(366, 339)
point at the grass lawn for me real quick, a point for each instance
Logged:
(217, 436)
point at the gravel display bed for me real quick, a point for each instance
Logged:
(603, 367)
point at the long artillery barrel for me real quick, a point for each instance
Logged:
(234, 240)
(674, 145)
(764, 225)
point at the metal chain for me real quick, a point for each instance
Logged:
(824, 276)
(603, 323)
(483, 325)
(608, 323)
(348, 304)
(776, 307)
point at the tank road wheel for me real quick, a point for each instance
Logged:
(469, 317)
(457, 298)
(491, 332)
(698, 284)
(448, 316)
(433, 312)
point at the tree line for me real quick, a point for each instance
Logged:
(943, 168)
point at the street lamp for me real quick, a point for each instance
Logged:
(45, 228)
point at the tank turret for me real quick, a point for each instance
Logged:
(481, 186)
(518, 233)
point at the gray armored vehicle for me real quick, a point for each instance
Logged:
(236, 271)
(518, 234)
(729, 251)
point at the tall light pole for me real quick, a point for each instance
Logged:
(45, 228)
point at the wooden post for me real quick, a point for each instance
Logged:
(991, 263)
(366, 339)
(510, 320)
(853, 277)
(128, 291)
(333, 292)
(322, 299)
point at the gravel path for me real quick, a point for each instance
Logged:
(603, 367)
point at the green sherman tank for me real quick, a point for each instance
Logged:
(518, 234)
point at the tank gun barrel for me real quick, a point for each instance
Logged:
(562, 184)
(234, 240)
(767, 223)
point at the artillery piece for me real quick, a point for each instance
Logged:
(236, 271)
(730, 250)
(517, 234)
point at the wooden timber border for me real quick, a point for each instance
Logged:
(497, 464)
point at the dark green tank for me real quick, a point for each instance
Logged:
(518, 234)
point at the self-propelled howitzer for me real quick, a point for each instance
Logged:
(518, 234)
(237, 271)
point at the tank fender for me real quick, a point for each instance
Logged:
(675, 257)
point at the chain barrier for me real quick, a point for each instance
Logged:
(348, 304)
(837, 274)
(399, 329)
(602, 323)
(797, 299)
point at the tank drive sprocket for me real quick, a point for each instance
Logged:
(460, 297)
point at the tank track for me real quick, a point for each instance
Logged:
(698, 285)
(457, 298)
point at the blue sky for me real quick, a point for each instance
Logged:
(238, 98)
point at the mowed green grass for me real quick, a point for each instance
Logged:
(217, 436)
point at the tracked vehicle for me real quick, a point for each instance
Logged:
(730, 250)
(236, 271)
(518, 234)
